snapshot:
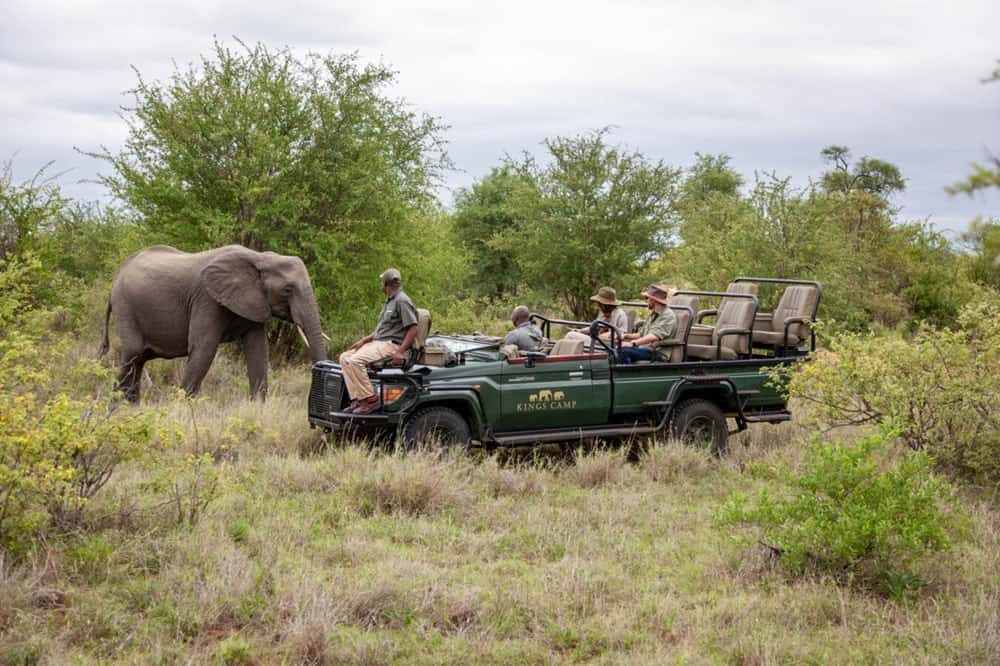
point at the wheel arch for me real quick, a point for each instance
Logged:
(466, 405)
(719, 394)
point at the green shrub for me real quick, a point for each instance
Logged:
(852, 514)
(58, 445)
(940, 386)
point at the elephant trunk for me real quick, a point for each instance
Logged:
(305, 313)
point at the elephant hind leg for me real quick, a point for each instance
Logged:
(130, 375)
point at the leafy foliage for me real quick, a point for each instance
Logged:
(56, 451)
(607, 210)
(484, 212)
(307, 157)
(941, 387)
(983, 261)
(26, 209)
(848, 514)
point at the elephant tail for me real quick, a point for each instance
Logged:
(105, 345)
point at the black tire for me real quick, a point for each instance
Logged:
(700, 423)
(436, 426)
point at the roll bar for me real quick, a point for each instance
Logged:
(809, 283)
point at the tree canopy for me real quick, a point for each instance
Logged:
(301, 155)
(592, 214)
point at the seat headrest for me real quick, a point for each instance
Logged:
(423, 327)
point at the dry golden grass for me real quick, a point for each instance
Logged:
(355, 555)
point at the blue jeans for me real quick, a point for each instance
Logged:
(628, 355)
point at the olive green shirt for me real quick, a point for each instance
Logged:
(398, 314)
(662, 325)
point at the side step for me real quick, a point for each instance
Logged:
(772, 417)
(571, 434)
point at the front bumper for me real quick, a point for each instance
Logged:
(344, 421)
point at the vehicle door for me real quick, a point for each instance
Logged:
(554, 392)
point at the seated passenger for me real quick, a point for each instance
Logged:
(658, 326)
(525, 336)
(609, 312)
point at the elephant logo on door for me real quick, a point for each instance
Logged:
(545, 394)
(558, 395)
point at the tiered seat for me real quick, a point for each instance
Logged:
(413, 353)
(730, 337)
(744, 288)
(789, 324)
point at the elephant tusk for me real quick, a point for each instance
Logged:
(325, 336)
(302, 335)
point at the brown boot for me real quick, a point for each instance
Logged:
(351, 407)
(366, 406)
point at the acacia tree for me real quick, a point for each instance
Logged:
(490, 207)
(597, 214)
(306, 156)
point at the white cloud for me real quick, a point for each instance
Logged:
(769, 83)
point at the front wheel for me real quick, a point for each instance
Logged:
(436, 427)
(700, 423)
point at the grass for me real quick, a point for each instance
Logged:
(335, 553)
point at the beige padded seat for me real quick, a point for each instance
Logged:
(423, 329)
(747, 288)
(685, 315)
(686, 300)
(734, 319)
(569, 346)
(797, 305)
(630, 316)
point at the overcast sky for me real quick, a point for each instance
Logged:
(769, 83)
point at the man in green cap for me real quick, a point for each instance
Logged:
(393, 336)
(660, 325)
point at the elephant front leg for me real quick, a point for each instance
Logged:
(200, 356)
(255, 351)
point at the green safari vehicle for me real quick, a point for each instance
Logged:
(468, 390)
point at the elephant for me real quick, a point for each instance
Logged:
(168, 303)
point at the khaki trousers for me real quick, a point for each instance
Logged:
(355, 366)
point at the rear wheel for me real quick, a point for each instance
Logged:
(700, 423)
(436, 427)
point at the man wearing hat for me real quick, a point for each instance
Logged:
(396, 329)
(607, 300)
(660, 325)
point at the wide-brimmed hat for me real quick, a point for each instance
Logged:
(607, 296)
(658, 292)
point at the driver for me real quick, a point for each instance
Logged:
(660, 325)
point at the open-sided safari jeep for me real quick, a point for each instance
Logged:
(462, 390)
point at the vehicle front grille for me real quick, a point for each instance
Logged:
(326, 392)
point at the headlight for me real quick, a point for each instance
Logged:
(392, 393)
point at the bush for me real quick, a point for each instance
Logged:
(851, 514)
(940, 386)
(56, 450)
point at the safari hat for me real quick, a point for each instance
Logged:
(390, 275)
(607, 296)
(658, 292)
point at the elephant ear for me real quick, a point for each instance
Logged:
(233, 280)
